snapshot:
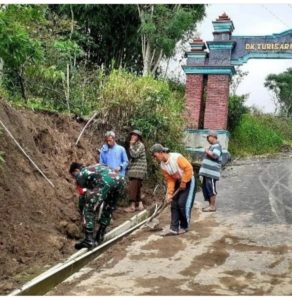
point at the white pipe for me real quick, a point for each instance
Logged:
(10, 134)
(85, 127)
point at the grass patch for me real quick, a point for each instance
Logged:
(259, 134)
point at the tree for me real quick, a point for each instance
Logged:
(17, 47)
(281, 86)
(107, 33)
(162, 26)
(68, 51)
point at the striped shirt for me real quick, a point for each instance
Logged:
(138, 163)
(211, 167)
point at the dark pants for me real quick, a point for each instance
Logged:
(209, 188)
(181, 206)
(134, 189)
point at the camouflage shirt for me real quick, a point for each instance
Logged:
(99, 180)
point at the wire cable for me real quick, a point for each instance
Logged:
(275, 16)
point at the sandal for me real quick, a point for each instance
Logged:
(208, 209)
(168, 232)
(182, 231)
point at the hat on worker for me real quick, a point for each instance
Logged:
(212, 133)
(137, 132)
(158, 148)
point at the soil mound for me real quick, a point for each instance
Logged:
(38, 223)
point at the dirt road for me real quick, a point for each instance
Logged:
(245, 248)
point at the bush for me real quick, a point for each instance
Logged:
(236, 109)
(281, 125)
(46, 90)
(128, 101)
(255, 136)
(123, 100)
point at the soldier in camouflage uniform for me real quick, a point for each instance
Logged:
(97, 185)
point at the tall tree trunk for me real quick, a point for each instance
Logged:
(166, 69)
(147, 60)
(158, 60)
(146, 44)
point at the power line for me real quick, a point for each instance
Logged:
(275, 16)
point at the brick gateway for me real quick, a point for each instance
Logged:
(209, 69)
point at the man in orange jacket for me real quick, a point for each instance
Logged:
(178, 175)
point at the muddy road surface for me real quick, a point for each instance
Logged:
(245, 248)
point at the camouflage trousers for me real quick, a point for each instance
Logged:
(90, 208)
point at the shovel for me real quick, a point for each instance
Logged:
(154, 221)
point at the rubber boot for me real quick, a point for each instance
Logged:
(88, 242)
(100, 234)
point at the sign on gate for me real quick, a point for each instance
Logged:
(268, 46)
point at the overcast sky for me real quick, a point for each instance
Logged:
(253, 19)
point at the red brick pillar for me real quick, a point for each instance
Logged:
(216, 111)
(194, 94)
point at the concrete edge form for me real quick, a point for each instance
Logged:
(55, 275)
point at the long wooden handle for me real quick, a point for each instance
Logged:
(165, 204)
(162, 207)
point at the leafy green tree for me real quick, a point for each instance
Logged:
(111, 35)
(53, 81)
(162, 26)
(68, 51)
(107, 33)
(17, 47)
(281, 86)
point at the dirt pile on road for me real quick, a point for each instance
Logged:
(38, 223)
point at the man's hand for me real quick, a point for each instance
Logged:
(133, 139)
(207, 151)
(81, 191)
(183, 186)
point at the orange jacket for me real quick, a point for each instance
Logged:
(187, 173)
